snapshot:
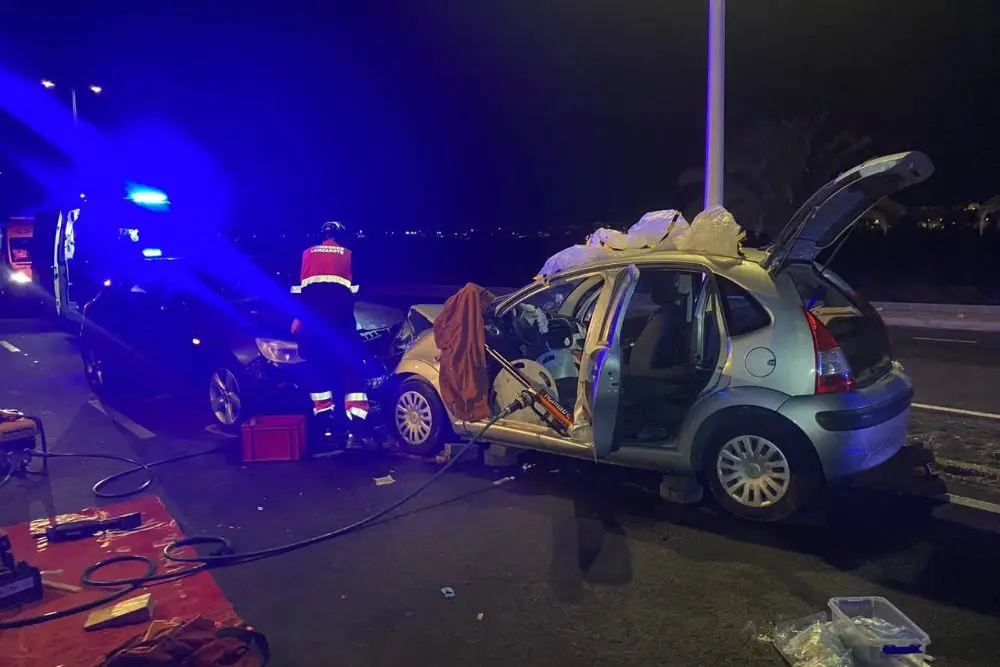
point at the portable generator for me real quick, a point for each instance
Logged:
(19, 434)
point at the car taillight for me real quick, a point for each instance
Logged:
(833, 372)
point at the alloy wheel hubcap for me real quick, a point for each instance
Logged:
(224, 396)
(413, 418)
(94, 371)
(753, 471)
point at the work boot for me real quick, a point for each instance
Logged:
(365, 434)
(326, 435)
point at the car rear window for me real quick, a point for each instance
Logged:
(742, 312)
(855, 324)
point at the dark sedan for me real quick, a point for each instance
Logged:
(169, 327)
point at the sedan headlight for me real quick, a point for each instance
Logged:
(20, 278)
(279, 351)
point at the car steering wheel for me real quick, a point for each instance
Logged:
(528, 333)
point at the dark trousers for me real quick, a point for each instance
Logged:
(334, 371)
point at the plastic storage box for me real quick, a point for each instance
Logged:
(274, 438)
(878, 634)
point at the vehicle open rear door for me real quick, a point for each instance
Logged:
(838, 206)
(603, 366)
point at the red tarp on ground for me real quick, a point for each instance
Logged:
(63, 642)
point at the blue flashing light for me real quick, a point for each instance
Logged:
(147, 197)
(149, 253)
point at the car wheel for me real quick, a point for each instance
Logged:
(762, 470)
(95, 370)
(419, 418)
(227, 399)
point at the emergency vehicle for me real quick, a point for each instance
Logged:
(15, 244)
(76, 251)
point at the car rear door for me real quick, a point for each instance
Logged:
(834, 209)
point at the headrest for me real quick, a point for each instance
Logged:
(663, 291)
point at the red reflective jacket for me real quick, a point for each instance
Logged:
(327, 263)
(327, 288)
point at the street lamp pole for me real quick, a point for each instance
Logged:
(72, 97)
(714, 125)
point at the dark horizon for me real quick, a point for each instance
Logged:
(543, 115)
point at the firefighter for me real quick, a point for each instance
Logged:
(329, 342)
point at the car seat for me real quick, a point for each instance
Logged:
(664, 341)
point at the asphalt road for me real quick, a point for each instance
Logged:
(954, 369)
(567, 564)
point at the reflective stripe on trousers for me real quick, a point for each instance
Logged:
(356, 405)
(322, 401)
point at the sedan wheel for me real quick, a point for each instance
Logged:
(419, 418)
(93, 370)
(762, 468)
(753, 471)
(225, 398)
(414, 419)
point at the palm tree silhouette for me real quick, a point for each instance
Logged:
(774, 167)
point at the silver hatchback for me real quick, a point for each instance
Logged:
(762, 376)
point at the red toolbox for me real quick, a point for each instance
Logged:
(274, 438)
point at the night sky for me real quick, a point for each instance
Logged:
(515, 112)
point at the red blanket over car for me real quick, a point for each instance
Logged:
(459, 332)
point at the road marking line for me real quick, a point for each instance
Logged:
(10, 347)
(135, 429)
(947, 340)
(971, 502)
(956, 411)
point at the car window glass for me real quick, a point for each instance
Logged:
(659, 322)
(742, 312)
(571, 298)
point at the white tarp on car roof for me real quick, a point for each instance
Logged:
(713, 232)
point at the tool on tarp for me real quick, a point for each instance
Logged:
(538, 395)
(76, 530)
(19, 582)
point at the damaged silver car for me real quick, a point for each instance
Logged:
(762, 376)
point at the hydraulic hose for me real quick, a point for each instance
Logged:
(223, 555)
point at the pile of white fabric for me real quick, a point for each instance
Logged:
(712, 232)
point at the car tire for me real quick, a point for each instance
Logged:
(762, 469)
(419, 420)
(229, 400)
(101, 380)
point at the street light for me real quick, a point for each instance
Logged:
(97, 90)
(715, 112)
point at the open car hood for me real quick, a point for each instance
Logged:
(836, 207)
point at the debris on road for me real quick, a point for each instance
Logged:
(448, 592)
(811, 642)
(504, 480)
(857, 631)
(383, 481)
(480, 616)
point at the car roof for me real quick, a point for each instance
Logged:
(751, 258)
(745, 271)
